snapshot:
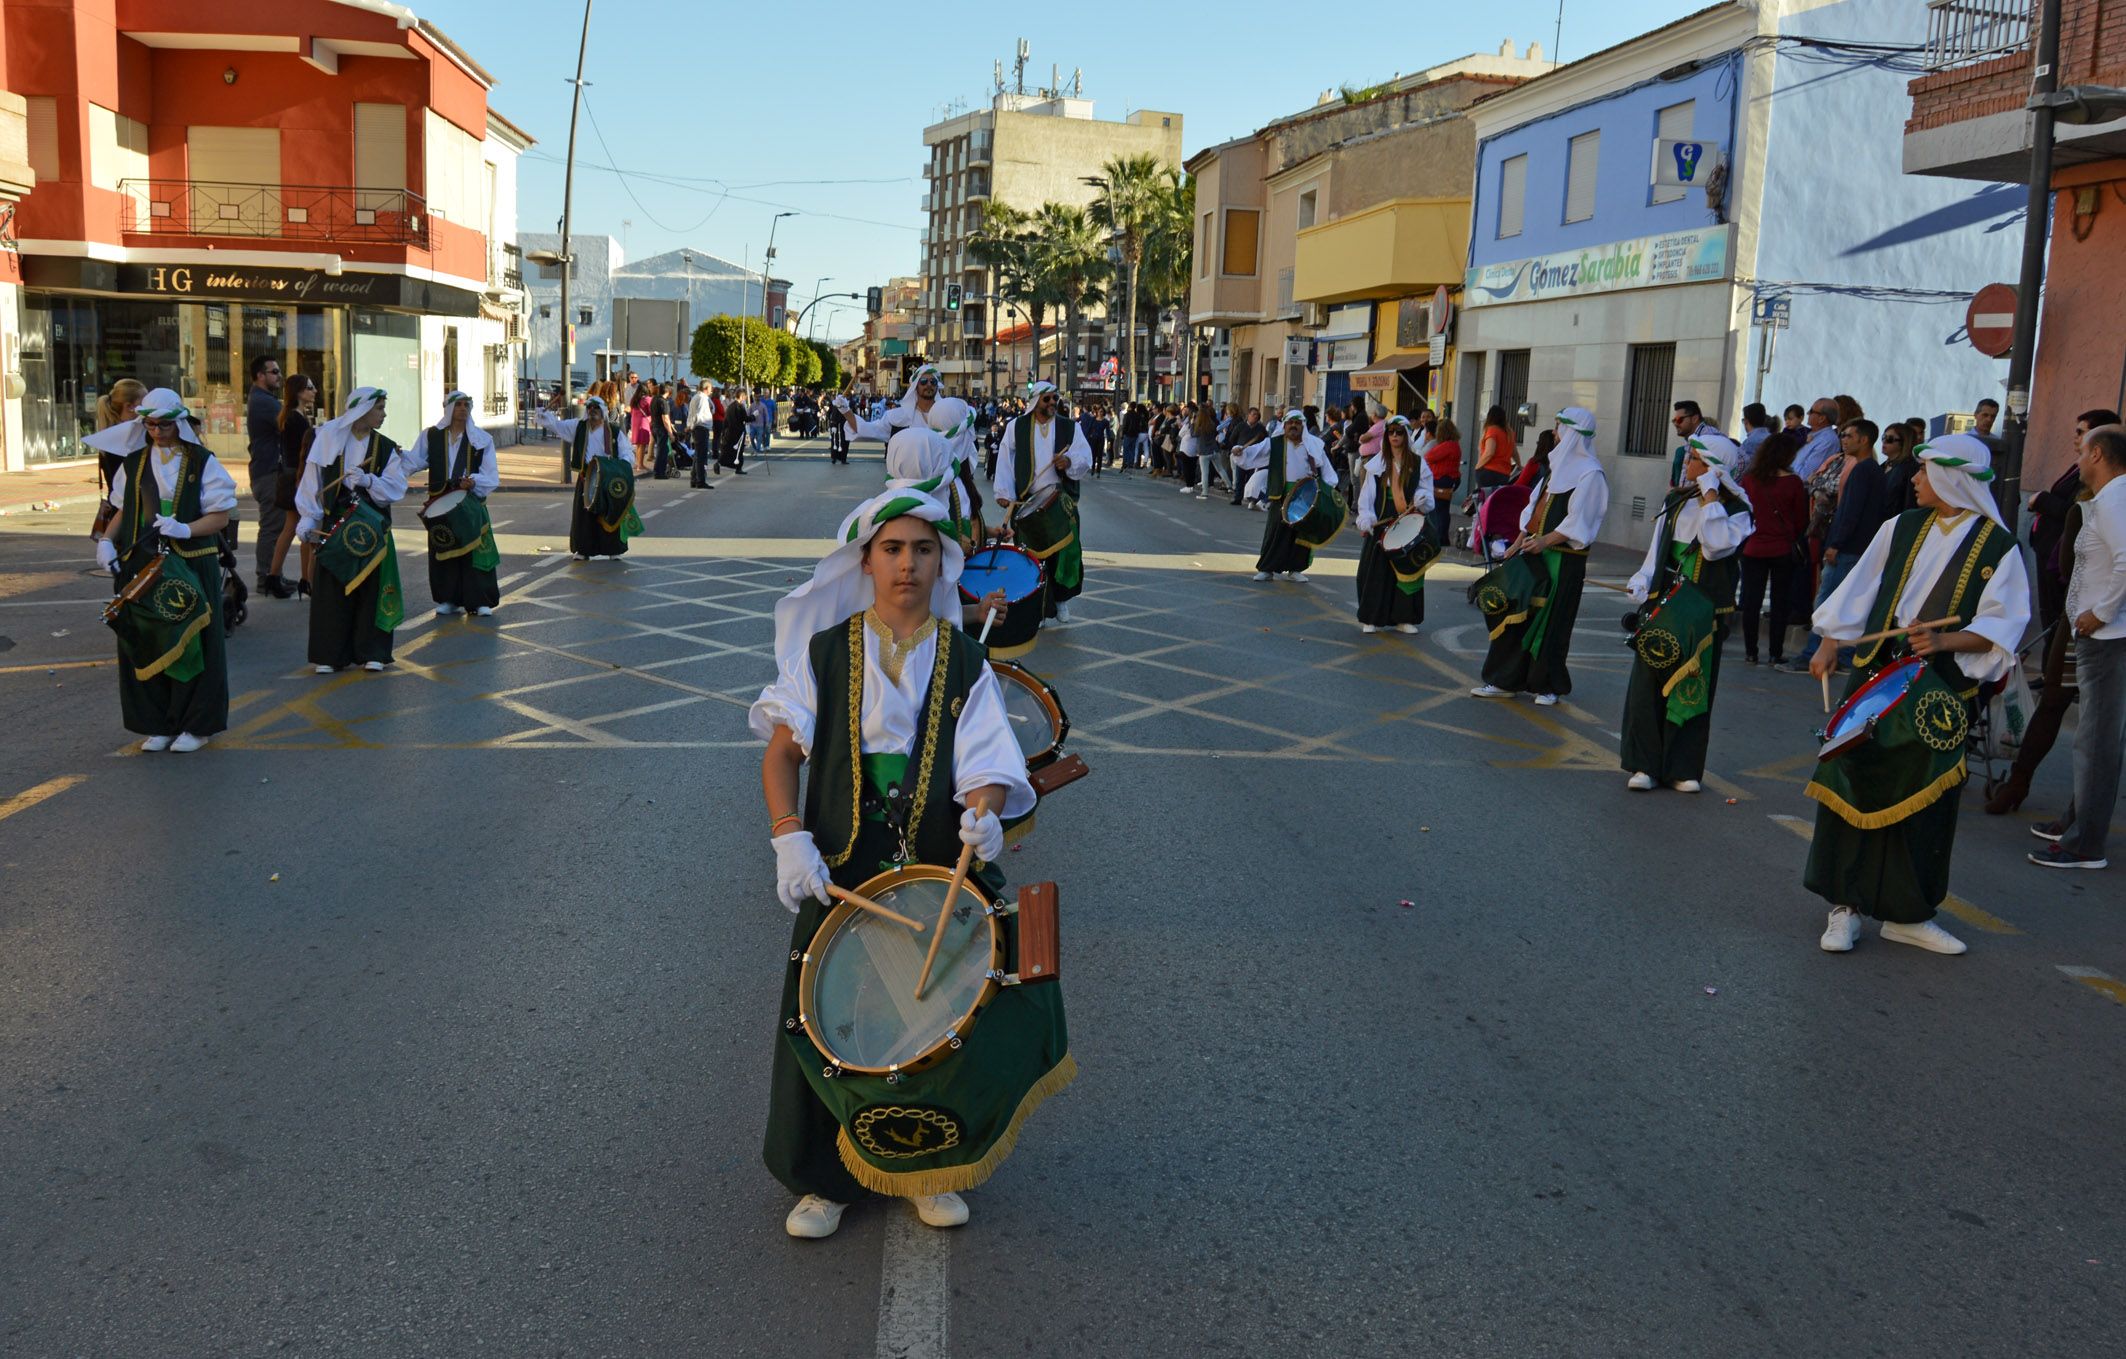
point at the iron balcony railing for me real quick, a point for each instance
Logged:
(1964, 32)
(300, 212)
(505, 268)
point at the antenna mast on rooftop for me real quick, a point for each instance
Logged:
(1018, 69)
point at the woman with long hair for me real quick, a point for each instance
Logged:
(1203, 438)
(1398, 483)
(1445, 458)
(638, 421)
(298, 407)
(1498, 451)
(1774, 556)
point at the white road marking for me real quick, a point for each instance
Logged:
(914, 1302)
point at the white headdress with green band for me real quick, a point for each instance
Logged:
(474, 435)
(1721, 454)
(336, 435)
(839, 588)
(1573, 460)
(917, 459)
(130, 436)
(1035, 389)
(1959, 466)
(928, 370)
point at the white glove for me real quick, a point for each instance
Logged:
(170, 526)
(358, 479)
(799, 871)
(1635, 590)
(1709, 482)
(306, 529)
(106, 554)
(841, 403)
(984, 832)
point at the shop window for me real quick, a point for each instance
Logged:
(1649, 381)
(1513, 194)
(1581, 155)
(1673, 124)
(1240, 231)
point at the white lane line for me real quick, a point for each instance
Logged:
(914, 1304)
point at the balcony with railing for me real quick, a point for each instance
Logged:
(293, 212)
(1966, 32)
(505, 268)
(1969, 118)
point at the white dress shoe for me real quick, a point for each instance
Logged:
(1926, 934)
(940, 1210)
(1410, 628)
(1546, 700)
(323, 669)
(1062, 613)
(186, 743)
(1262, 575)
(155, 743)
(483, 612)
(1490, 691)
(814, 1218)
(1640, 783)
(1843, 929)
(1686, 785)
(446, 610)
(1367, 627)
(1298, 576)
(372, 665)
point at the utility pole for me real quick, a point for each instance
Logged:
(2037, 220)
(568, 204)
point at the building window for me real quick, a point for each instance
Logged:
(43, 113)
(1673, 124)
(450, 358)
(1240, 226)
(552, 272)
(118, 148)
(1649, 381)
(1513, 194)
(1309, 207)
(1203, 247)
(1269, 381)
(1581, 153)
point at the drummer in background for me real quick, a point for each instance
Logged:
(889, 591)
(1933, 559)
(458, 456)
(170, 492)
(1697, 536)
(348, 458)
(590, 436)
(1397, 482)
(1288, 456)
(1563, 516)
(919, 459)
(1042, 451)
(922, 405)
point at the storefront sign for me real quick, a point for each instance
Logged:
(265, 284)
(1694, 256)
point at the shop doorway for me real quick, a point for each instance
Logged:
(73, 349)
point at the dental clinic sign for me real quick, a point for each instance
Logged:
(1695, 256)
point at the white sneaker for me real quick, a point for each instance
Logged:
(1184, 489)
(1685, 785)
(814, 1218)
(1062, 613)
(1299, 577)
(1367, 627)
(940, 1210)
(1262, 575)
(156, 743)
(186, 743)
(1201, 496)
(1843, 929)
(483, 612)
(323, 669)
(372, 665)
(1640, 783)
(1546, 700)
(1926, 934)
(1491, 691)
(446, 610)
(1410, 628)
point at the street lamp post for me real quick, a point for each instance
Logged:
(568, 204)
(2037, 222)
(767, 270)
(823, 282)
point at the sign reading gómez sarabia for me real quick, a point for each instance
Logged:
(1695, 256)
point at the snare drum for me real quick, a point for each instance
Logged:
(1410, 547)
(1042, 523)
(1018, 574)
(1315, 511)
(1894, 747)
(455, 521)
(1868, 706)
(1037, 718)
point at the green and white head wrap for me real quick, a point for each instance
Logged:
(336, 435)
(1573, 460)
(839, 588)
(1721, 454)
(1959, 466)
(130, 436)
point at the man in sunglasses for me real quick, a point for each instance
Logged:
(262, 428)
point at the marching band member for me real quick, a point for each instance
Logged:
(920, 406)
(869, 667)
(1952, 557)
(458, 456)
(590, 437)
(1043, 451)
(1563, 517)
(171, 496)
(1668, 721)
(1397, 482)
(919, 459)
(1287, 457)
(350, 465)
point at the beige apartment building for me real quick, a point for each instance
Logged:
(878, 355)
(1322, 238)
(1024, 150)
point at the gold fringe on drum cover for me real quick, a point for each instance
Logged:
(953, 1179)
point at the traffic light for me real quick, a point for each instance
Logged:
(952, 297)
(874, 300)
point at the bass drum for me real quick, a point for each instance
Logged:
(1036, 717)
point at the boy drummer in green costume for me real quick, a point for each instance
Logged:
(912, 757)
(1043, 449)
(1884, 831)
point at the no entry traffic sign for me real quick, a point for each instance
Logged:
(1990, 319)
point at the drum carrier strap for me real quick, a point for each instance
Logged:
(901, 807)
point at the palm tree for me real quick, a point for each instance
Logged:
(1069, 253)
(1001, 242)
(1169, 241)
(1130, 190)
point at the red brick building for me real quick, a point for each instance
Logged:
(1968, 122)
(319, 180)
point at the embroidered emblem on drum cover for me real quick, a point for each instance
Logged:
(1659, 647)
(361, 539)
(900, 1132)
(440, 536)
(1941, 720)
(1691, 691)
(1491, 599)
(616, 488)
(174, 601)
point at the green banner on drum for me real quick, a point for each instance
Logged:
(158, 634)
(1674, 634)
(611, 496)
(356, 546)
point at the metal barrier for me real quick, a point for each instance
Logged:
(1964, 32)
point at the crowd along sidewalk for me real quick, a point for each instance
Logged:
(525, 467)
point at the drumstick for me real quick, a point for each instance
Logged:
(987, 619)
(1826, 678)
(1951, 621)
(1620, 589)
(867, 904)
(959, 877)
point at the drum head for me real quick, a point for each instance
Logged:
(1032, 710)
(859, 992)
(443, 504)
(1403, 532)
(1037, 502)
(1013, 570)
(1300, 503)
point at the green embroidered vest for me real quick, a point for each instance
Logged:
(1719, 579)
(582, 440)
(335, 496)
(133, 531)
(440, 473)
(1956, 591)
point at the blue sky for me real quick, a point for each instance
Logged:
(743, 118)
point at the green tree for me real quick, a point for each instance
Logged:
(830, 365)
(1132, 190)
(1070, 255)
(809, 367)
(1002, 242)
(716, 348)
(721, 340)
(1163, 279)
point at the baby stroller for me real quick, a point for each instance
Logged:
(1498, 521)
(235, 595)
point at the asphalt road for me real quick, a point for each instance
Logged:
(429, 1013)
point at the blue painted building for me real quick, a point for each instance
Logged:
(1592, 284)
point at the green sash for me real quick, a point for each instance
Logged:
(1067, 569)
(159, 633)
(1550, 512)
